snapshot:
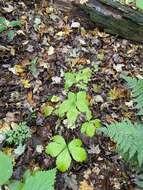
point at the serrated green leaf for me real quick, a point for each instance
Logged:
(78, 153)
(64, 107)
(83, 75)
(6, 168)
(63, 161)
(69, 80)
(84, 127)
(15, 185)
(41, 180)
(56, 147)
(90, 131)
(75, 142)
(82, 103)
(72, 115)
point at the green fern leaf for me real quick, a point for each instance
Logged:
(128, 137)
(136, 86)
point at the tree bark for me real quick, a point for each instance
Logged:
(115, 18)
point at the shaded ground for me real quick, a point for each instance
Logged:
(23, 93)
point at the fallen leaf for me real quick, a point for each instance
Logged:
(85, 186)
(26, 83)
(51, 50)
(30, 98)
(75, 25)
(9, 8)
(116, 93)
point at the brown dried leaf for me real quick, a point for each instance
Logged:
(85, 186)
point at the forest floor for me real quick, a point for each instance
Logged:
(65, 42)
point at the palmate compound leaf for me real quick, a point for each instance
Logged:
(64, 154)
(41, 180)
(69, 80)
(78, 153)
(6, 168)
(63, 161)
(72, 115)
(82, 104)
(67, 104)
(56, 146)
(83, 75)
(90, 127)
(79, 79)
(72, 106)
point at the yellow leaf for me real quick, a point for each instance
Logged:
(19, 69)
(12, 51)
(4, 126)
(8, 151)
(49, 10)
(60, 34)
(85, 186)
(116, 93)
(26, 83)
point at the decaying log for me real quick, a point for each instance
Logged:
(116, 18)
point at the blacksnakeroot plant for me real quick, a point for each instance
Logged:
(79, 79)
(89, 127)
(64, 152)
(75, 104)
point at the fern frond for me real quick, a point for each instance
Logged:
(129, 138)
(136, 86)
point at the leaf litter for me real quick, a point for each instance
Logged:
(51, 42)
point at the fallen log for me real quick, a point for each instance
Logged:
(115, 18)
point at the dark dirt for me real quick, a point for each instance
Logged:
(103, 170)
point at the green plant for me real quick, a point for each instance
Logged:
(18, 135)
(90, 127)
(6, 168)
(80, 78)
(129, 139)
(65, 152)
(138, 3)
(5, 25)
(76, 103)
(47, 110)
(136, 86)
(38, 180)
(33, 67)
